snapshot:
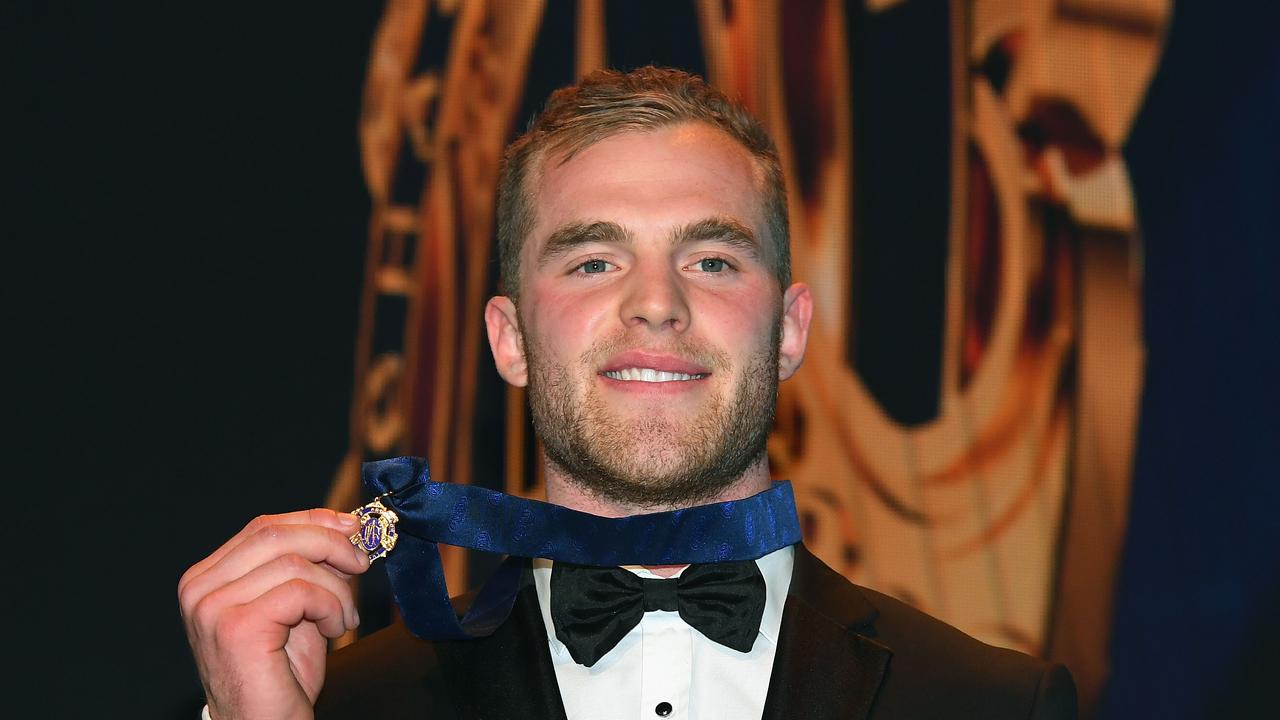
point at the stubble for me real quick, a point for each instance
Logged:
(657, 460)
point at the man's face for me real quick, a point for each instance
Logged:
(650, 316)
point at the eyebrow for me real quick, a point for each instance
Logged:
(718, 229)
(566, 238)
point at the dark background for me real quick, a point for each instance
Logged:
(1197, 617)
(184, 241)
(191, 227)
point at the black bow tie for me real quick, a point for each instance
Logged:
(593, 608)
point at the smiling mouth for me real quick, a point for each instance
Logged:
(649, 375)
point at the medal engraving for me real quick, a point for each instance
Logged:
(377, 533)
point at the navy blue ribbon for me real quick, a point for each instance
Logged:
(474, 517)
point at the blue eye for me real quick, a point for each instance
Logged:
(712, 265)
(594, 266)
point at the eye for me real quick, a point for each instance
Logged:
(592, 267)
(712, 265)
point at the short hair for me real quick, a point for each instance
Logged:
(607, 103)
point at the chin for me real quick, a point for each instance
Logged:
(660, 479)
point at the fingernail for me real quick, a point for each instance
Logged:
(355, 616)
(362, 557)
(348, 519)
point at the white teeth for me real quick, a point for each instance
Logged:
(649, 375)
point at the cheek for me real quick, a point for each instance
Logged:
(737, 321)
(565, 324)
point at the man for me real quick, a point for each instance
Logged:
(650, 312)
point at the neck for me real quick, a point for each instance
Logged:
(565, 491)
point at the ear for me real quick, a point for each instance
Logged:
(506, 340)
(797, 311)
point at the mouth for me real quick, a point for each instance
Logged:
(636, 366)
(651, 375)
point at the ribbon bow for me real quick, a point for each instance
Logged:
(421, 513)
(593, 608)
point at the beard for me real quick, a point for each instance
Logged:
(656, 459)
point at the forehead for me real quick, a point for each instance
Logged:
(650, 182)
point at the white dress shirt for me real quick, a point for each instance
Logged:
(664, 662)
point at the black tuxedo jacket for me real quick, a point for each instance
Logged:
(843, 652)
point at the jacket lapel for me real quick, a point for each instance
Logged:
(825, 667)
(508, 674)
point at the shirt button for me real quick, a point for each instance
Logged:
(663, 709)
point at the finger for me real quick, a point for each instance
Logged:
(315, 544)
(295, 601)
(264, 623)
(279, 571)
(345, 523)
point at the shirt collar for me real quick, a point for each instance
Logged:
(775, 568)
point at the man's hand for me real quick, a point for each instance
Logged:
(257, 612)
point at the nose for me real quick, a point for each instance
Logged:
(654, 298)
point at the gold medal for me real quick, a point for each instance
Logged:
(377, 529)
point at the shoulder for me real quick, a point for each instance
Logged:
(389, 674)
(934, 667)
(932, 658)
(918, 637)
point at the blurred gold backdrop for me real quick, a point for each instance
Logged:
(1004, 511)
